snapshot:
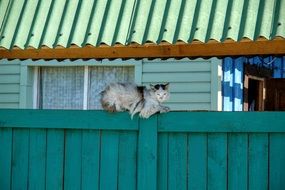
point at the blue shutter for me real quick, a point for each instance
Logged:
(232, 84)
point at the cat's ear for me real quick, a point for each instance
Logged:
(166, 86)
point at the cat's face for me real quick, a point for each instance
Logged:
(161, 91)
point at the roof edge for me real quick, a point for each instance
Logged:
(244, 48)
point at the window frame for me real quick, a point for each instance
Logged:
(32, 68)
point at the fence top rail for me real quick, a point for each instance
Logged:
(170, 122)
(222, 122)
(66, 119)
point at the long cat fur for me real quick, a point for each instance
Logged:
(119, 97)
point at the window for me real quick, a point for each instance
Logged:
(77, 87)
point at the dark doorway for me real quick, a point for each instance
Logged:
(254, 87)
(254, 94)
(275, 95)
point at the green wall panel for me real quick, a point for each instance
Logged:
(9, 83)
(194, 84)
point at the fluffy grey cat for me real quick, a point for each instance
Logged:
(119, 97)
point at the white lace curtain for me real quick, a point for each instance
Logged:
(102, 76)
(63, 87)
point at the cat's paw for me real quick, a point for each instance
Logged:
(145, 114)
(164, 110)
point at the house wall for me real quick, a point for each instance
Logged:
(10, 83)
(194, 84)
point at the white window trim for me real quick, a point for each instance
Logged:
(36, 88)
(85, 88)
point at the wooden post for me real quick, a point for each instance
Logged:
(147, 154)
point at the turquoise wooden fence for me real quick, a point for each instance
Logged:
(44, 149)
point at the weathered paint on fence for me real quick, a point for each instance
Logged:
(45, 149)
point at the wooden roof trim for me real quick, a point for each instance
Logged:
(245, 48)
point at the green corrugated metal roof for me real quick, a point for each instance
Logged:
(51, 23)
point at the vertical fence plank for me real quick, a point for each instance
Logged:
(177, 171)
(217, 161)
(277, 162)
(72, 160)
(5, 157)
(109, 160)
(237, 161)
(127, 160)
(197, 161)
(20, 159)
(147, 154)
(258, 161)
(55, 159)
(162, 161)
(37, 159)
(90, 159)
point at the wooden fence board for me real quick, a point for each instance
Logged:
(162, 161)
(90, 159)
(5, 157)
(258, 161)
(20, 159)
(127, 160)
(37, 159)
(177, 164)
(72, 159)
(217, 161)
(55, 159)
(197, 161)
(277, 161)
(237, 161)
(109, 160)
(147, 154)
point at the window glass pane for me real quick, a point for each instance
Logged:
(61, 87)
(102, 76)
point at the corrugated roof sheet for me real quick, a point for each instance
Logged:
(52, 23)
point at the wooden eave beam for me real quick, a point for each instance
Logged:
(213, 49)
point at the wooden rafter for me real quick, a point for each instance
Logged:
(243, 48)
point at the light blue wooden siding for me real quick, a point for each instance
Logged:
(9, 83)
(194, 84)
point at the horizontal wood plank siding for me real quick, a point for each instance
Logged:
(228, 150)
(9, 88)
(190, 81)
(189, 106)
(9, 83)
